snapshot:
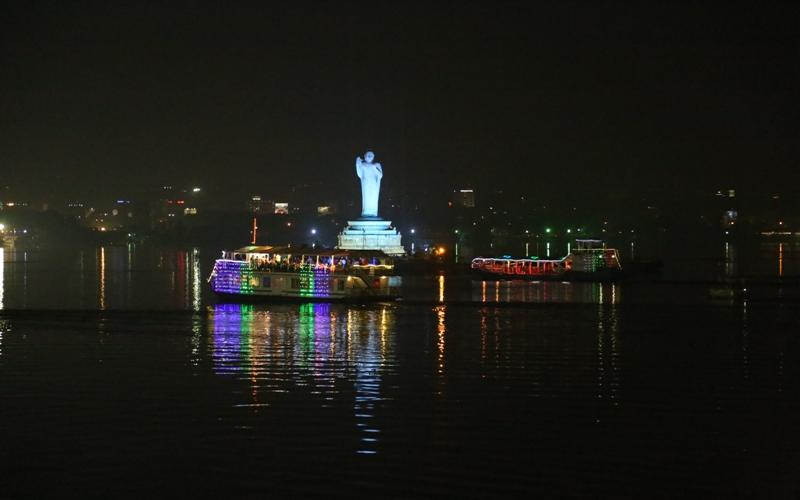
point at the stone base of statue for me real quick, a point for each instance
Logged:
(371, 234)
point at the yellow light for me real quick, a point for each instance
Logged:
(2, 227)
(103, 228)
(440, 250)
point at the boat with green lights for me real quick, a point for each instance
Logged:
(589, 260)
(304, 274)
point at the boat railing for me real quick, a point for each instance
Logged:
(521, 267)
(318, 268)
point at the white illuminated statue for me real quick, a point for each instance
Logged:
(370, 174)
(370, 232)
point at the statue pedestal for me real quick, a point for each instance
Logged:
(371, 234)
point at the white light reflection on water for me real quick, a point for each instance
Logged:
(195, 280)
(745, 342)
(608, 360)
(187, 268)
(484, 333)
(2, 287)
(101, 293)
(307, 350)
(441, 330)
(730, 260)
(195, 341)
(369, 367)
(2, 277)
(24, 277)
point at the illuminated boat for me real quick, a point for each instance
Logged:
(590, 260)
(266, 272)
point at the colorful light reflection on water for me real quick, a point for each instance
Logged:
(243, 401)
(312, 349)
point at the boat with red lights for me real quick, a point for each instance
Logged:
(307, 274)
(590, 260)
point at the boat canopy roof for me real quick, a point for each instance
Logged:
(306, 250)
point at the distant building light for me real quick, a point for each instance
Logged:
(281, 208)
(466, 198)
(189, 211)
(313, 231)
(196, 190)
(323, 210)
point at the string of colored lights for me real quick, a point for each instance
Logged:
(314, 282)
(232, 276)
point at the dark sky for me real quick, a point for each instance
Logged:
(125, 95)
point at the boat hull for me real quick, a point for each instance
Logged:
(259, 299)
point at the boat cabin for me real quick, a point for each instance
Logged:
(289, 259)
(590, 256)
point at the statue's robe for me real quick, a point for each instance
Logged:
(370, 175)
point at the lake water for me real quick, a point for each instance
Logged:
(121, 376)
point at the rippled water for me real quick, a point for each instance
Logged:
(411, 401)
(581, 396)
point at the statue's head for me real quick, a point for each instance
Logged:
(369, 156)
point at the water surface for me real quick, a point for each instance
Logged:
(127, 379)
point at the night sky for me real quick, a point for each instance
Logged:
(112, 96)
